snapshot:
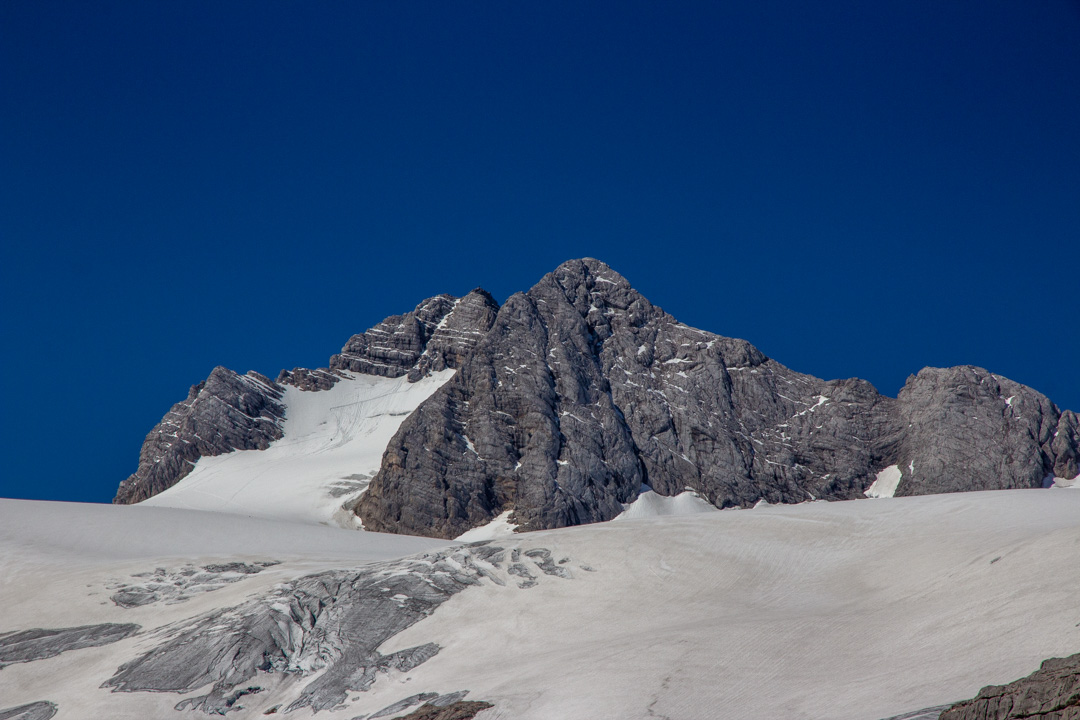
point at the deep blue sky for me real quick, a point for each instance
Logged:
(858, 188)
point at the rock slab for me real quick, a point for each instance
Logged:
(1050, 693)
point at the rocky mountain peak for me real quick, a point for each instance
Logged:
(575, 394)
(596, 292)
(228, 411)
(225, 412)
(952, 413)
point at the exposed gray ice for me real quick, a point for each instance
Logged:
(330, 623)
(37, 644)
(180, 584)
(41, 710)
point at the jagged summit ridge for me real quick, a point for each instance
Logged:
(573, 395)
(583, 391)
(228, 411)
(438, 334)
(225, 412)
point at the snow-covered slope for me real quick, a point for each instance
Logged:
(849, 611)
(332, 445)
(651, 504)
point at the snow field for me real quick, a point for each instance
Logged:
(848, 611)
(332, 445)
(58, 559)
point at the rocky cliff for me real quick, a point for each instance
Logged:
(1050, 693)
(228, 412)
(574, 395)
(223, 413)
(583, 391)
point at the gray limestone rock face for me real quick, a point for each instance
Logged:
(230, 412)
(438, 334)
(968, 429)
(583, 391)
(1050, 693)
(42, 710)
(572, 396)
(1065, 447)
(223, 413)
(37, 644)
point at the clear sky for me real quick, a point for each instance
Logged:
(858, 188)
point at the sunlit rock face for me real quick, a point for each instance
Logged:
(570, 398)
(583, 391)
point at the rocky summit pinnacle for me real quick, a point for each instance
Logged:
(571, 397)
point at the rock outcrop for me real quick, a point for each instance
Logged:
(223, 413)
(583, 391)
(461, 710)
(438, 334)
(966, 428)
(574, 395)
(42, 710)
(228, 412)
(1050, 693)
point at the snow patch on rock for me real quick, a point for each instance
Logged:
(885, 484)
(497, 528)
(651, 504)
(1056, 482)
(332, 444)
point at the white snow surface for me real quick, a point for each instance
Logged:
(332, 445)
(846, 610)
(499, 527)
(885, 484)
(649, 503)
(1056, 482)
(57, 561)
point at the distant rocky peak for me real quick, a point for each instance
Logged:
(575, 393)
(456, 334)
(434, 336)
(225, 412)
(594, 290)
(967, 427)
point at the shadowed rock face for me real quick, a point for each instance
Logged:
(42, 710)
(225, 412)
(574, 394)
(38, 644)
(1050, 693)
